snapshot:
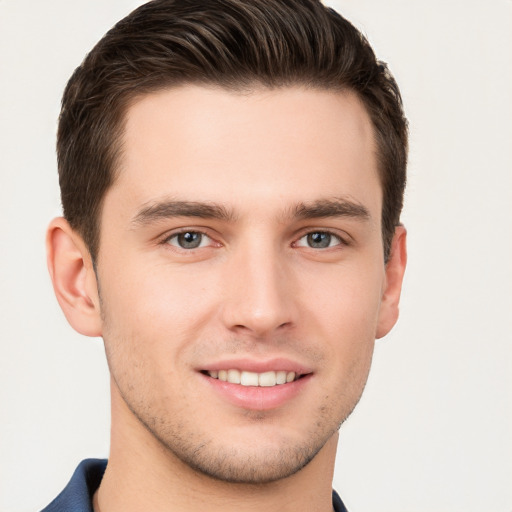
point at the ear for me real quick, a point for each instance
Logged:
(395, 268)
(73, 277)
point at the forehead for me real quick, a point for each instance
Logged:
(291, 144)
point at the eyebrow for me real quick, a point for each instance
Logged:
(321, 208)
(170, 208)
(335, 207)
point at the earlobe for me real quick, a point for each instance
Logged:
(395, 269)
(73, 277)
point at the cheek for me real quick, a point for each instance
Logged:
(156, 312)
(347, 298)
(347, 316)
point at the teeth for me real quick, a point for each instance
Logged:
(234, 376)
(281, 377)
(265, 379)
(249, 379)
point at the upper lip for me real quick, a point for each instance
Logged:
(258, 366)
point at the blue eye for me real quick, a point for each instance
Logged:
(189, 240)
(319, 240)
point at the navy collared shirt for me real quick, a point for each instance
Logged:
(77, 495)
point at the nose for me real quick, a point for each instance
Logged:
(259, 298)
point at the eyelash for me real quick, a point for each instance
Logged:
(341, 241)
(167, 239)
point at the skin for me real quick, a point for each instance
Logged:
(277, 166)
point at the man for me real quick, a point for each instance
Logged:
(232, 176)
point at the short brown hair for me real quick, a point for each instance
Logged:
(235, 44)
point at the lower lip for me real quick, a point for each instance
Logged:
(257, 398)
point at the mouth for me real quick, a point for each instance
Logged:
(265, 379)
(259, 385)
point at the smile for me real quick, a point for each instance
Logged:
(245, 378)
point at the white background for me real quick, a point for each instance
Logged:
(433, 431)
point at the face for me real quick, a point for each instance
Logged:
(241, 274)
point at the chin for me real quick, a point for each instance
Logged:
(249, 457)
(263, 466)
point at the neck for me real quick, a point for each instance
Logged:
(142, 474)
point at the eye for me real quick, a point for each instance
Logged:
(189, 240)
(319, 240)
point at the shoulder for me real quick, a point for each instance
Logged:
(77, 495)
(337, 504)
